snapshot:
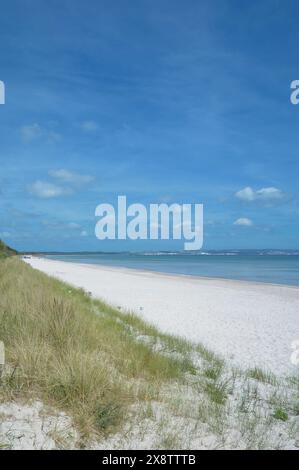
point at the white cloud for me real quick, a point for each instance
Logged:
(70, 227)
(45, 190)
(67, 176)
(268, 195)
(74, 225)
(67, 183)
(246, 194)
(271, 194)
(243, 221)
(89, 126)
(35, 131)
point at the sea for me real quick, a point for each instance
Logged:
(269, 266)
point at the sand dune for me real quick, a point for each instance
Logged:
(251, 324)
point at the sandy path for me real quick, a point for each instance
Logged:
(250, 323)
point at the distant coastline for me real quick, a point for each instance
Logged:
(265, 266)
(235, 251)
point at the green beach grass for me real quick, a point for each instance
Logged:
(62, 351)
(106, 368)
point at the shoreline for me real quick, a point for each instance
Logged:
(251, 324)
(165, 274)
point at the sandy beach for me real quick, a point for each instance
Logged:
(250, 324)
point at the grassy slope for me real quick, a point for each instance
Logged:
(73, 352)
(5, 250)
(94, 362)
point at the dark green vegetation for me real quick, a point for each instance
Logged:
(5, 250)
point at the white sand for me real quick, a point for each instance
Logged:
(34, 426)
(249, 323)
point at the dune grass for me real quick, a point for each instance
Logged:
(60, 350)
(262, 376)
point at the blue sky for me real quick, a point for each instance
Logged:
(165, 101)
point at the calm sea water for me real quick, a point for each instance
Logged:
(279, 267)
